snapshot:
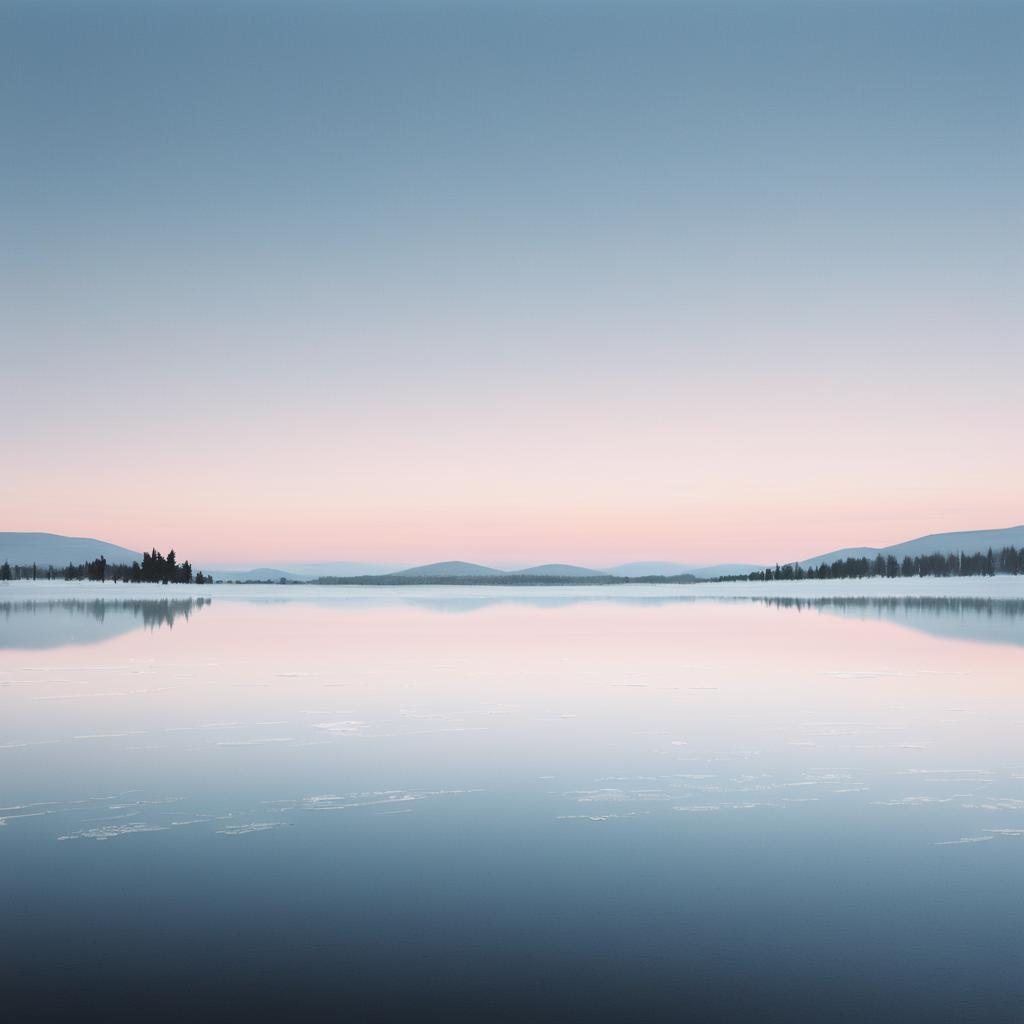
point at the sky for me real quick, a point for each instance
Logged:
(510, 282)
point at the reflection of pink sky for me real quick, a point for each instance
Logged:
(713, 676)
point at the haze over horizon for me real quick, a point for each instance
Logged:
(512, 284)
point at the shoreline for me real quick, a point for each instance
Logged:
(985, 587)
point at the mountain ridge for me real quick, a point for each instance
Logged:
(629, 569)
(453, 568)
(554, 569)
(57, 550)
(970, 542)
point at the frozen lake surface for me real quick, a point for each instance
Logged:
(769, 802)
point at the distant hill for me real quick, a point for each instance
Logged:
(46, 549)
(256, 575)
(302, 572)
(712, 572)
(554, 569)
(311, 570)
(649, 569)
(970, 542)
(835, 556)
(450, 569)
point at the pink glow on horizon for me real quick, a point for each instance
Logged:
(722, 522)
(621, 469)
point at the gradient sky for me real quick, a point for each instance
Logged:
(511, 282)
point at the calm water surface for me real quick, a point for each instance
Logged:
(460, 805)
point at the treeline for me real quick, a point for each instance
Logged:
(505, 580)
(1008, 560)
(154, 568)
(400, 580)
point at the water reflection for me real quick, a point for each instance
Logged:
(55, 622)
(984, 620)
(39, 624)
(609, 806)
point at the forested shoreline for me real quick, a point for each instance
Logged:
(506, 580)
(1007, 561)
(157, 568)
(154, 568)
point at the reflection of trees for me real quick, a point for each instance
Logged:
(889, 607)
(154, 613)
(982, 619)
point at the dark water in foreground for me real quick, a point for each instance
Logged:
(526, 808)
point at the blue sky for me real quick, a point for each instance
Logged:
(492, 249)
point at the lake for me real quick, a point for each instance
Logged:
(596, 803)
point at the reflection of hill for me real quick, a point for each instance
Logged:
(56, 623)
(987, 620)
